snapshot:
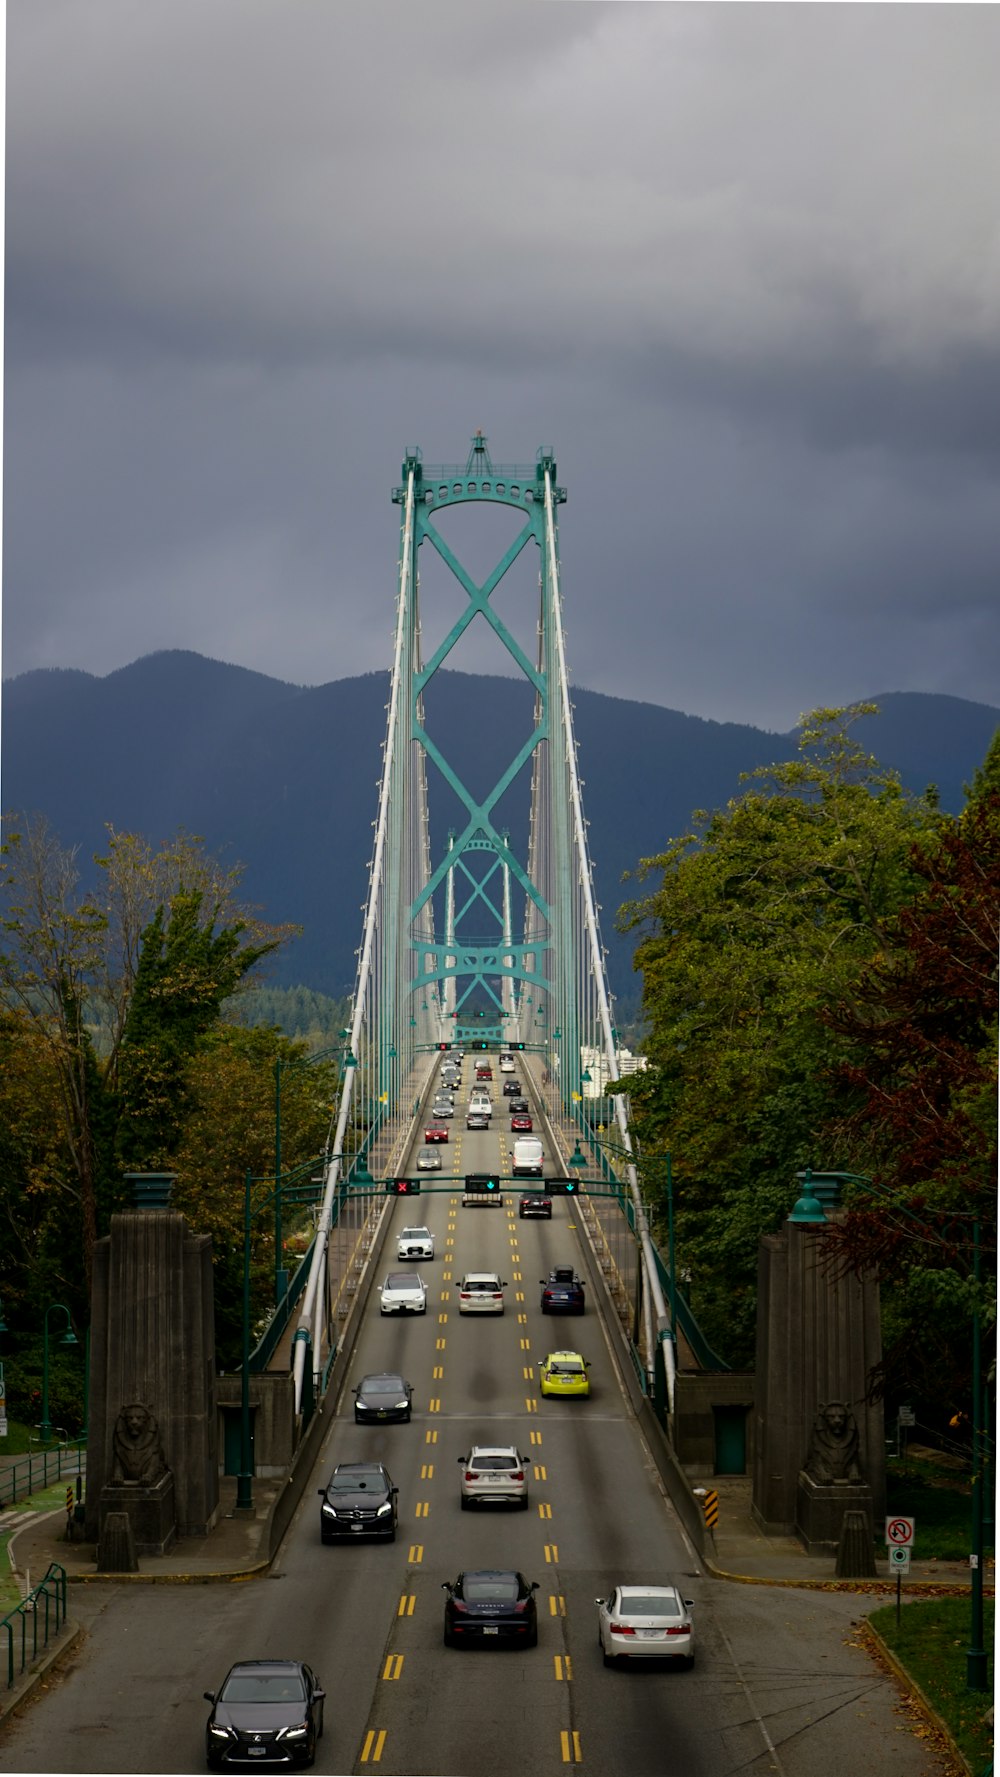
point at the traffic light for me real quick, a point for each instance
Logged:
(562, 1187)
(479, 1043)
(402, 1187)
(516, 1045)
(482, 1181)
(444, 1045)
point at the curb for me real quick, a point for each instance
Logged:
(910, 1684)
(862, 1587)
(32, 1675)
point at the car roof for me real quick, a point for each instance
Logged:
(408, 1233)
(665, 1591)
(564, 1357)
(265, 1666)
(481, 1277)
(492, 1573)
(493, 1450)
(383, 1376)
(403, 1277)
(359, 1468)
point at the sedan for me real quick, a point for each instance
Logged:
(429, 1158)
(534, 1203)
(267, 1711)
(436, 1132)
(564, 1373)
(382, 1397)
(518, 1104)
(490, 1605)
(404, 1292)
(512, 1088)
(442, 1107)
(562, 1291)
(481, 1292)
(477, 1119)
(494, 1474)
(417, 1243)
(520, 1123)
(358, 1500)
(645, 1622)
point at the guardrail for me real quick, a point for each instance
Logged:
(48, 1600)
(35, 1472)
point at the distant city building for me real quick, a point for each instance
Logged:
(595, 1063)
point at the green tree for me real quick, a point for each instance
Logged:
(765, 913)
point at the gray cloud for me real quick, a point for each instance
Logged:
(739, 265)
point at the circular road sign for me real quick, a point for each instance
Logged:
(899, 1560)
(899, 1532)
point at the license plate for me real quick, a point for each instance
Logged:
(491, 1630)
(257, 1751)
(357, 1527)
(382, 1413)
(651, 1634)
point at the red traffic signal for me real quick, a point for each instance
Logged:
(402, 1187)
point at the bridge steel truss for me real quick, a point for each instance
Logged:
(419, 983)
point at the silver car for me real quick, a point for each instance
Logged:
(481, 1292)
(429, 1158)
(646, 1622)
(494, 1474)
(404, 1292)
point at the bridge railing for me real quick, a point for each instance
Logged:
(33, 1473)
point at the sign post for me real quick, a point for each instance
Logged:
(899, 1533)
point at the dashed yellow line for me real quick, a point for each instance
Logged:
(544, 1509)
(530, 1404)
(541, 1472)
(564, 1666)
(371, 1752)
(431, 1437)
(529, 1373)
(557, 1604)
(408, 1604)
(438, 1372)
(427, 1471)
(525, 1344)
(442, 1318)
(393, 1667)
(535, 1436)
(423, 1509)
(439, 1344)
(570, 1742)
(434, 1405)
(416, 1554)
(552, 1554)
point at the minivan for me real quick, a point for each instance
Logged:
(528, 1157)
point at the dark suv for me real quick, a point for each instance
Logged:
(359, 1499)
(562, 1291)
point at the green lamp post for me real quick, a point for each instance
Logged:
(68, 1339)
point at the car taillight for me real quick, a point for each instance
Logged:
(472, 1474)
(522, 1604)
(456, 1604)
(498, 1295)
(547, 1296)
(465, 1295)
(622, 1629)
(518, 1475)
(684, 1629)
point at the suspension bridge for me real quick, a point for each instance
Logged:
(467, 943)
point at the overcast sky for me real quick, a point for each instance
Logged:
(738, 265)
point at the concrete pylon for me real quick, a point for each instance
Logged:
(153, 1440)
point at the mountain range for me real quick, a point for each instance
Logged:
(284, 778)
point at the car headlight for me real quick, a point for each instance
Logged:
(219, 1731)
(327, 1511)
(382, 1510)
(294, 1733)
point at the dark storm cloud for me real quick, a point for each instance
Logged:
(738, 264)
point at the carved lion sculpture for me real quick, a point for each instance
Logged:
(139, 1459)
(833, 1445)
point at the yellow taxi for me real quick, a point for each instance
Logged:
(564, 1373)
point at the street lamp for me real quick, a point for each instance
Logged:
(68, 1339)
(281, 1065)
(976, 1671)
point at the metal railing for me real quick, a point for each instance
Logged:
(26, 1636)
(33, 1473)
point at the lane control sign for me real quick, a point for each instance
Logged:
(899, 1532)
(899, 1560)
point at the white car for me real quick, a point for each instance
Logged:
(506, 1064)
(494, 1473)
(646, 1622)
(481, 1292)
(416, 1243)
(404, 1292)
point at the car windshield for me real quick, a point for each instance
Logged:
(493, 1462)
(665, 1604)
(482, 1283)
(565, 1369)
(496, 1589)
(383, 1385)
(350, 1482)
(263, 1687)
(403, 1280)
(415, 1234)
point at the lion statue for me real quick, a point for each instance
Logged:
(139, 1459)
(833, 1445)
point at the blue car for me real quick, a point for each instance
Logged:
(562, 1291)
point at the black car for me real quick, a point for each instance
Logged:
(491, 1604)
(512, 1088)
(268, 1712)
(562, 1291)
(518, 1104)
(534, 1203)
(382, 1397)
(359, 1499)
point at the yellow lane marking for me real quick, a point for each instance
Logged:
(564, 1666)
(416, 1554)
(393, 1667)
(535, 1436)
(434, 1404)
(408, 1604)
(525, 1344)
(437, 1372)
(430, 1437)
(440, 1344)
(427, 1471)
(519, 1295)
(541, 1472)
(570, 1742)
(442, 1318)
(374, 1745)
(423, 1509)
(544, 1509)
(531, 1405)
(522, 1320)
(445, 1296)
(552, 1554)
(446, 1277)
(517, 1277)
(529, 1374)
(557, 1604)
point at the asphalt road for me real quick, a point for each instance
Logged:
(778, 1685)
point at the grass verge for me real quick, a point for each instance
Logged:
(931, 1642)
